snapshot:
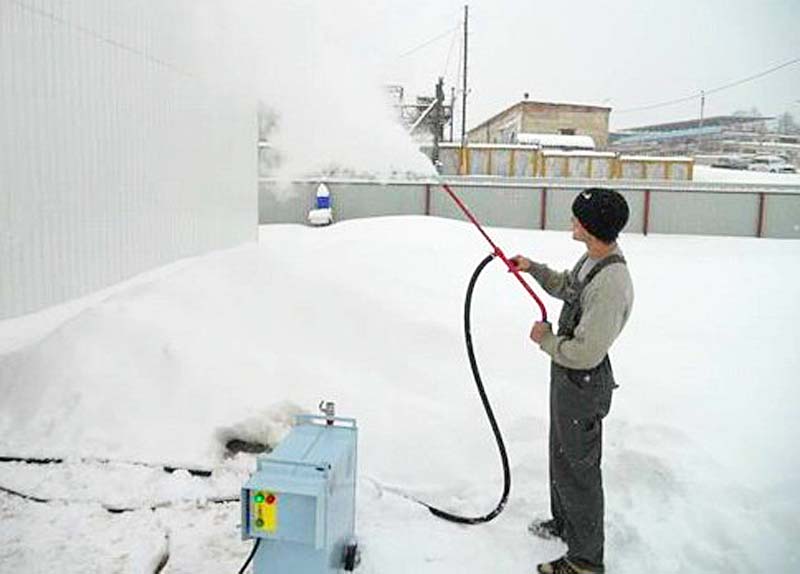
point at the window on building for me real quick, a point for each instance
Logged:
(567, 131)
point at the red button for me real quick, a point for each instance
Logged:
(270, 499)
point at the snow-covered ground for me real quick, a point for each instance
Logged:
(133, 393)
(708, 173)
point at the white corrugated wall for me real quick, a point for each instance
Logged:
(116, 154)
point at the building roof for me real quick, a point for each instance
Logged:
(715, 121)
(530, 105)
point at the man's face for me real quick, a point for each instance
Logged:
(579, 232)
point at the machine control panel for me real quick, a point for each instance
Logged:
(265, 511)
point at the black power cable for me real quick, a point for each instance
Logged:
(495, 429)
(250, 558)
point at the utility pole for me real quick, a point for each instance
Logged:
(452, 108)
(438, 123)
(464, 89)
(702, 106)
(702, 113)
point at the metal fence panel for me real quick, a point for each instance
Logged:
(524, 163)
(501, 162)
(494, 206)
(285, 202)
(559, 209)
(674, 207)
(451, 160)
(782, 216)
(703, 213)
(371, 200)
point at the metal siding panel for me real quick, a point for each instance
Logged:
(112, 162)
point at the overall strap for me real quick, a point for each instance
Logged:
(602, 264)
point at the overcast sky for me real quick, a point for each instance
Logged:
(320, 64)
(623, 54)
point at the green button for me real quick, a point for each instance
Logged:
(259, 523)
(259, 497)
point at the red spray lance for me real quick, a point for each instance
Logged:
(497, 251)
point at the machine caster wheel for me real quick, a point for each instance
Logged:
(352, 557)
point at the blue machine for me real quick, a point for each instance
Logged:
(301, 500)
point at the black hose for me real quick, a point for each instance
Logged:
(495, 429)
(250, 558)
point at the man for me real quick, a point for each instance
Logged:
(598, 296)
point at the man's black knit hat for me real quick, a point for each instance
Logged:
(603, 212)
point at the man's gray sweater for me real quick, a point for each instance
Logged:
(606, 303)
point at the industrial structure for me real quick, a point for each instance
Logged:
(529, 117)
(709, 139)
(690, 136)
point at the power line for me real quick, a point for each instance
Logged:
(753, 77)
(711, 91)
(450, 52)
(428, 42)
(97, 36)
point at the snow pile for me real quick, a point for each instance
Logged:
(700, 467)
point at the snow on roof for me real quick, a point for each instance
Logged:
(556, 140)
(577, 153)
(479, 146)
(656, 158)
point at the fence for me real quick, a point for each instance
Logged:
(656, 207)
(114, 158)
(512, 160)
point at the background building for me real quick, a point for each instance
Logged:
(544, 118)
(710, 139)
(712, 134)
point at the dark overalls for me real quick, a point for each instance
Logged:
(579, 399)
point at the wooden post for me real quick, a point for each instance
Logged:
(543, 208)
(646, 223)
(427, 199)
(762, 205)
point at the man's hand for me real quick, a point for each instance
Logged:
(539, 330)
(522, 263)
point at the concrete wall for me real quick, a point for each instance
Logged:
(114, 158)
(551, 120)
(544, 118)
